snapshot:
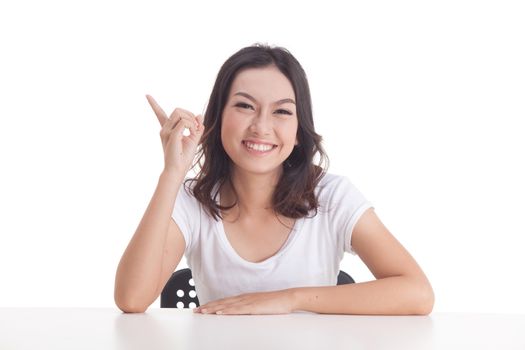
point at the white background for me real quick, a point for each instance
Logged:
(420, 104)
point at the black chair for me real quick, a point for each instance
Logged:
(181, 289)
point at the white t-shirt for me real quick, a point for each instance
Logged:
(310, 256)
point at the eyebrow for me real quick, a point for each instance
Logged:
(284, 100)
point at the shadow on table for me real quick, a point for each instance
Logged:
(311, 331)
(150, 331)
(186, 330)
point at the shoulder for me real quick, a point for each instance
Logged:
(338, 195)
(185, 194)
(333, 185)
(329, 179)
(187, 186)
(193, 201)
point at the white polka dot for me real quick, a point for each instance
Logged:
(192, 283)
(180, 305)
(180, 293)
(193, 305)
(193, 294)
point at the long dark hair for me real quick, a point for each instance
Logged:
(294, 195)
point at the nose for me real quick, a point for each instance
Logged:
(262, 123)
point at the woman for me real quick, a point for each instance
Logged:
(263, 228)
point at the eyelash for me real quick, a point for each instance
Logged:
(244, 105)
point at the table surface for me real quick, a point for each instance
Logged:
(109, 328)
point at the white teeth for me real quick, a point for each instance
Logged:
(257, 147)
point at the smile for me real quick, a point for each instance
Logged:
(258, 149)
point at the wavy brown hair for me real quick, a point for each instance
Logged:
(294, 195)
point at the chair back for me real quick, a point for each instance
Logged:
(179, 291)
(344, 278)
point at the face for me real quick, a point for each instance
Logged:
(260, 111)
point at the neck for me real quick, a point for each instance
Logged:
(254, 192)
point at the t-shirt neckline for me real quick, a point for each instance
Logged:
(233, 253)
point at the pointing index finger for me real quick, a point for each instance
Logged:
(159, 112)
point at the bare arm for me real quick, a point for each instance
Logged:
(401, 287)
(158, 245)
(139, 271)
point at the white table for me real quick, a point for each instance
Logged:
(108, 328)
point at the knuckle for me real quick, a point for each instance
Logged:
(183, 112)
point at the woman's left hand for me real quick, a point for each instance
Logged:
(262, 303)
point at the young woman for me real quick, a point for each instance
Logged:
(263, 228)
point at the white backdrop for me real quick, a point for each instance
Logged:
(420, 104)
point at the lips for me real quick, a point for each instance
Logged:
(252, 150)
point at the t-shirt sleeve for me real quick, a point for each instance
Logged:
(186, 214)
(350, 205)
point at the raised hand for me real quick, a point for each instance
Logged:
(179, 150)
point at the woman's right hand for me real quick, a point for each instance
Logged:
(179, 150)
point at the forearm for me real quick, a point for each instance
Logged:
(398, 295)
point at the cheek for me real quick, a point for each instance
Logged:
(291, 131)
(232, 122)
(228, 125)
(229, 130)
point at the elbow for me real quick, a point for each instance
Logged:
(133, 310)
(425, 302)
(129, 305)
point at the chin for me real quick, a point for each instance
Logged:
(259, 169)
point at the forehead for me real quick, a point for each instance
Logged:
(266, 83)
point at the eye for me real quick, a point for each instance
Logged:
(243, 105)
(284, 111)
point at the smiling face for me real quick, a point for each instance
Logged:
(261, 109)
